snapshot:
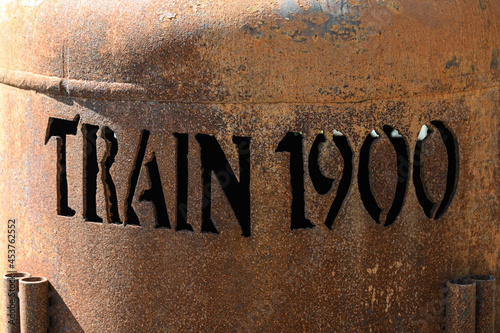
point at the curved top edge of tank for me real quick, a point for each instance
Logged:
(249, 51)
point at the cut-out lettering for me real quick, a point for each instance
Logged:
(90, 171)
(402, 160)
(131, 215)
(59, 128)
(237, 192)
(237, 189)
(109, 185)
(402, 152)
(321, 184)
(324, 184)
(451, 145)
(292, 143)
(432, 209)
(345, 182)
(182, 182)
(155, 194)
(365, 191)
(428, 206)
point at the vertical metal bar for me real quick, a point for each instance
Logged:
(34, 305)
(461, 306)
(11, 301)
(485, 303)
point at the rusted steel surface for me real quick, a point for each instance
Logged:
(461, 307)
(485, 303)
(250, 166)
(11, 301)
(34, 304)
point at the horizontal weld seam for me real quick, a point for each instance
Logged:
(120, 91)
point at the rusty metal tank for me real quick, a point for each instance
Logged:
(249, 166)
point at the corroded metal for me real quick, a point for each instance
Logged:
(34, 304)
(11, 301)
(179, 166)
(485, 303)
(461, 307)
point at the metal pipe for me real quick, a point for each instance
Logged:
(11, 300)
(34, 305)
(461, 306)
(485, 303)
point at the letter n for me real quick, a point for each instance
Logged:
(237, 192)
